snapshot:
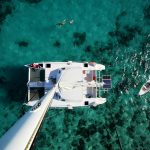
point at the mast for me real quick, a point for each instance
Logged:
(21, 135)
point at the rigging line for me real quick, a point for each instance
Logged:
(33, 96)
(57, 113)
(59, 88)
(25, 103)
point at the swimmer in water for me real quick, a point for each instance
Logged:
(60, 24)
(71, 21)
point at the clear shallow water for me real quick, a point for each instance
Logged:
(114, 33)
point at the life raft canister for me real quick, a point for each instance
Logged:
(94, 76)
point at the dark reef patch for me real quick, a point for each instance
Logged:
(31, 1)
(81, 145)
(145, 44)
(118, 117)
(131, 130)
(22, 43)
(88, 48)
(78, 144)
(118, 18)
(146, 12)
(6, 115)
(86, 131)
(6, 8)
(57, 44)
(99, 47)
(125, 35)
(123, 85)
(81, 123)
(2, 80)
(15, 83)
(100, 51)
(74, 143)
(79, 38)
(103, 47)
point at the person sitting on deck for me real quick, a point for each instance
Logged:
(35, 66)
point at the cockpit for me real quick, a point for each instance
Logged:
(147, 85)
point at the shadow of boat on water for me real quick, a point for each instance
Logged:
(13, 81)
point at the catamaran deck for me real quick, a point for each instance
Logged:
(80, 82)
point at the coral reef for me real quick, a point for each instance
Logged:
(22, 43)
(57, 44)
(79, 38)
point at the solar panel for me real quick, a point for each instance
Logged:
(107, 82)
(106, 77)
(106, 86)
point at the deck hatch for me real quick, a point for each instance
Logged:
(85, 64)
(41, 65)
(86, 103)
(48, 65)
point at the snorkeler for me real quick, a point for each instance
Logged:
(62, 23)
(71, 21)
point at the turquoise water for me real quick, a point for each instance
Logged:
(115, 33)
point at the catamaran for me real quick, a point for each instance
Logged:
(56, 85)
(145, 88)
(80, 83)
